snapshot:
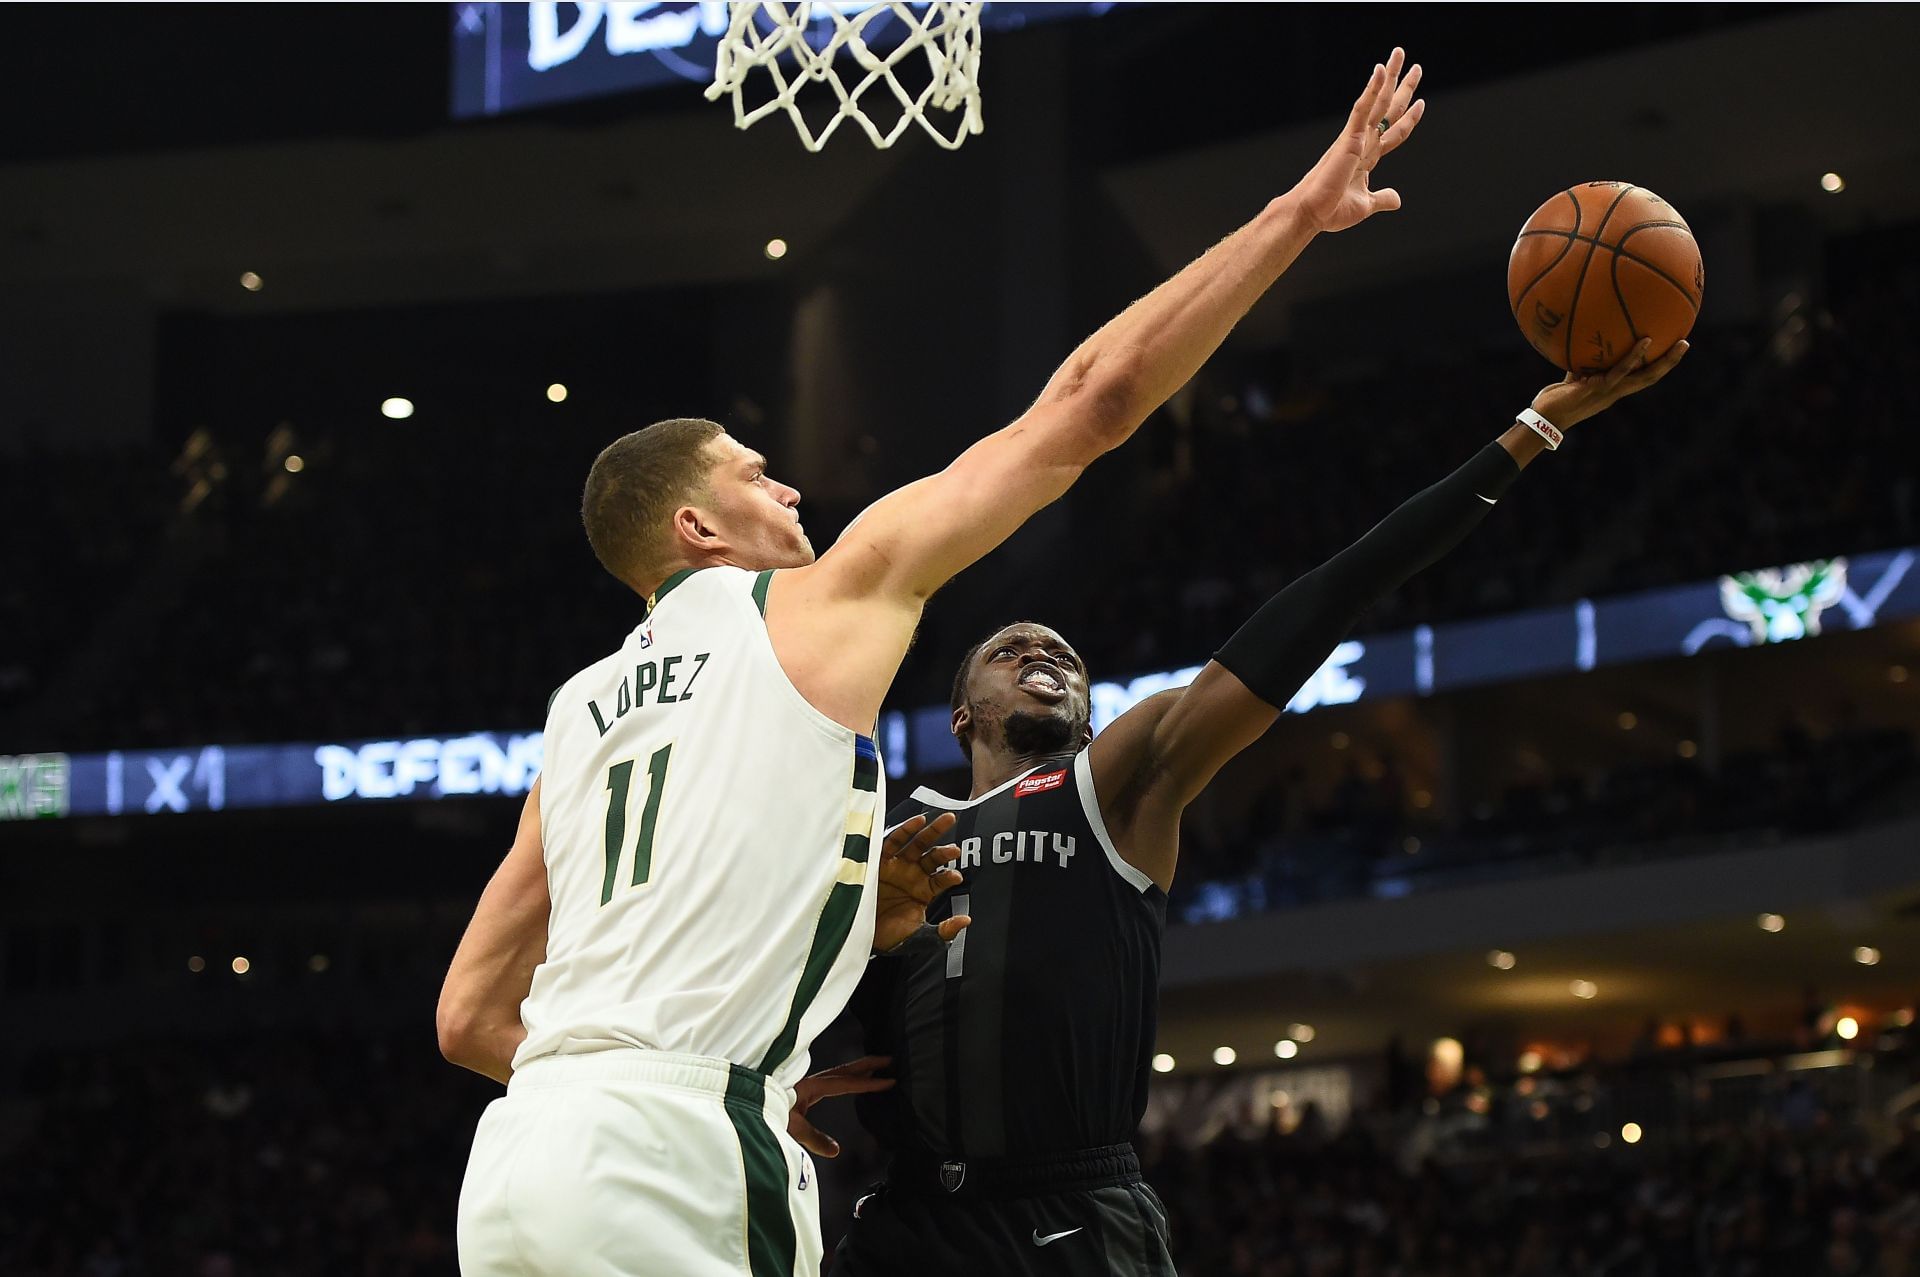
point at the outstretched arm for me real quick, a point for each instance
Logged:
(1155, 759)
(911, 542)
(478, 1018)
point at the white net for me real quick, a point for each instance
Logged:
(940, 42)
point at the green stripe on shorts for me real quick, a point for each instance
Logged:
(770, 1240)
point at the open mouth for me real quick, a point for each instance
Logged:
(1045, 682)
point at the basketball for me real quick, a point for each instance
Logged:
(1600, 266)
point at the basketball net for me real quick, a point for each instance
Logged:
(774, 37)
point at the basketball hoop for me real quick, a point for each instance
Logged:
(776, 36)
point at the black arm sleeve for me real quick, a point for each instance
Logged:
(1288, 638)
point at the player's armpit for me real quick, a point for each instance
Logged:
(1156, 758)
(913, 541)
(478, 1018)
(841, 626)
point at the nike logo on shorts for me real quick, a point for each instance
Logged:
(1038, 1240)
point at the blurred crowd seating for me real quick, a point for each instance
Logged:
(1366, 837)
(431, 576)
(286, 1155)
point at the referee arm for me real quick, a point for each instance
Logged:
(1156, 758)
(478, 1018)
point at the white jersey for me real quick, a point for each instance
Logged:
(709, 844)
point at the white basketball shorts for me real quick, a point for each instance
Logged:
(631, 1163)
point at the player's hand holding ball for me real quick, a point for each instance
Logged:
(1573, 400)
(1337, 192)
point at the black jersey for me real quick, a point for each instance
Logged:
(1032, 1032)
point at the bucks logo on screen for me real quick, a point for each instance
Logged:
(1780, 604)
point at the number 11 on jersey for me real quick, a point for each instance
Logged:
(619, 781)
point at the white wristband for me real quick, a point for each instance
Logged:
(1542, 427)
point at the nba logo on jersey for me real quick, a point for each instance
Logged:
(646, 633)
(1040, 784)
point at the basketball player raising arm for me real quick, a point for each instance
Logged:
(1020, 1052)
(645, 967)
(841, 625)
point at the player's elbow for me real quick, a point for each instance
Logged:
(458, 1030)
(1112, 398)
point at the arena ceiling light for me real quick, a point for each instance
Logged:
(556, 393)
(396, 409)
(1832, 183)
(251, 282)
(1300, 1032)
(1773, 923)
(1224, 1055)
(1847, 1027)
(1163, 1063)
(1501, 960)
(1286, 1048)
(1585, 990)
(1631, 1132)
(1867, 956)
(775, 249)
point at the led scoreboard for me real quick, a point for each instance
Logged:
(1743, 609)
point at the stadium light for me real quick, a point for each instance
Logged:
(1501, 960)
(241, 966)
(1772, 923)
(1163, 1063)
(1224, 1055)
(1832, 183)
(1586, 990)
(556, 393)
(1300, 1032)
(1867, 956)
(196, 964)
(1631, 1132)
(776, 249)
(251, 282)
(1847, 1027)
(396, 409)
(1530, 1061)
(294, 463)
(1286, 1048)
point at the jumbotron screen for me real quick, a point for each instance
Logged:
(508, 57)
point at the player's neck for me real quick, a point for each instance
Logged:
(992, 769)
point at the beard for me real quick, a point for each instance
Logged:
(1030, 734)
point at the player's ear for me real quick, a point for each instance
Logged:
(695, 531)
(962, 722)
